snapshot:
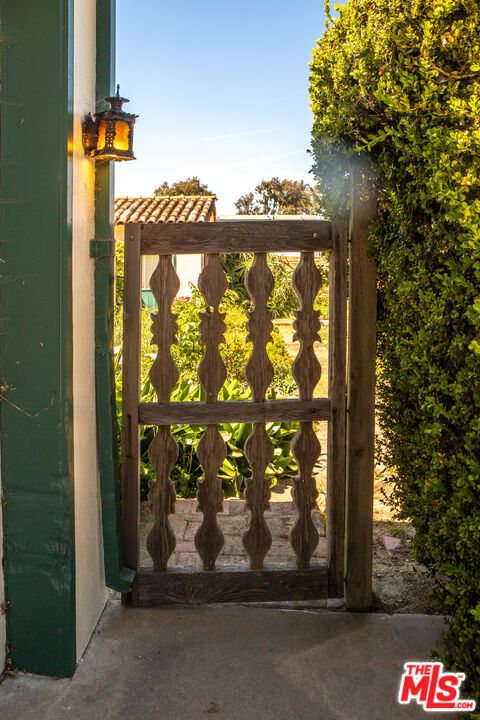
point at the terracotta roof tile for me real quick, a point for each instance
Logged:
(160, 209)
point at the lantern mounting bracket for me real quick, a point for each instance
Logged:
(89, 135)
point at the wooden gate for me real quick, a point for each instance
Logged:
(347, 565)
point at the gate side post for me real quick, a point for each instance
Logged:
(130, 400)
(360, 398)
(337, 371)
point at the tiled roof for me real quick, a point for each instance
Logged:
(160, 209)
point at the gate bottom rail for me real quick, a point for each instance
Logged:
(194, 587)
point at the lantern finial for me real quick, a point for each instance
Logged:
(117, 101)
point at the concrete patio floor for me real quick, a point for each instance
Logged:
(235, 662)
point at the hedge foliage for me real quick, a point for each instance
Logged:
(399, 81)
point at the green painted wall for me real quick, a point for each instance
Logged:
(36, 332)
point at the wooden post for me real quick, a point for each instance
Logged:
(337, 372)
(130, 402)
(361, 400)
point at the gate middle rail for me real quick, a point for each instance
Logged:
(311, 578)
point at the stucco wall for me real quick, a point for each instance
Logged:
(90, 583)
(189, 268)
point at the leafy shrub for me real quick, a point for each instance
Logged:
(187, 354)
(119, 276)
(235, 351)
(283, 302)
(399, 81)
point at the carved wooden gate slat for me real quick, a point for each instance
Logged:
(311, 578)
(163, 450)
(212, 450)
(258, 447)
(305, 445)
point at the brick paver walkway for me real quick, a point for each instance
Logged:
(233, 521)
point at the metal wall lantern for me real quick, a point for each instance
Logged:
(108, 135)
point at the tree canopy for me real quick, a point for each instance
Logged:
(278, 197)
(189, 186)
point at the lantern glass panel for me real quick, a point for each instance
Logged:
(122, 135)
(102, 134)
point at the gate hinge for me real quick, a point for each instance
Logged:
(102, 248)
(4, 607)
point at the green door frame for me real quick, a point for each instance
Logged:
(36, 333)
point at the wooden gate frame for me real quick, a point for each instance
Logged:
(360, 445)
(350, 412)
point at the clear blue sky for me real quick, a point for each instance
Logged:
(221, 88)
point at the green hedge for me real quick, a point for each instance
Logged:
(399, 81)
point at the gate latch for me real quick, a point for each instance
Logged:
(102, 248)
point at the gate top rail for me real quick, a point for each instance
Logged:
(236, 236)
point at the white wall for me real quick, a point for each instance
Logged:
(90, 582)
(189, 268)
